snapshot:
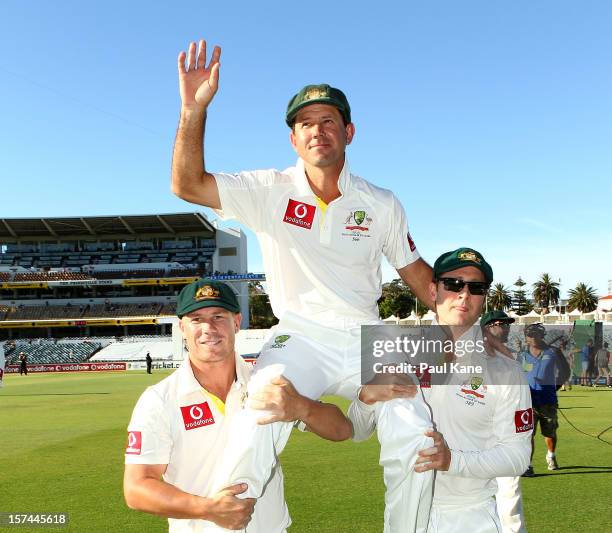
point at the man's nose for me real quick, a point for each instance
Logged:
(318, 129)
(465, 292)
(206, 327)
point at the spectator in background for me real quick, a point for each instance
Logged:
(602, 360)
(2, 363)
(508, 498)
(539, 361)
(23, 363)
(149, 363)
(585, 358)
(569, 357)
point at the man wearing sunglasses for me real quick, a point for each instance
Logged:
(483, 421)
(540, 361)
(508, 499)
(496, 328)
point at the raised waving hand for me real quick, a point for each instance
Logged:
(198, 82)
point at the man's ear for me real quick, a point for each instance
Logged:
(292, 139)
(433, 292)
(237, 321)
(350, 132)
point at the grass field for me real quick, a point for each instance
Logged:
(63, 435)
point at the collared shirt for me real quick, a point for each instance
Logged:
(541, 376)
(487, 425)
(326, 266)
(178, 423)
(486, 419)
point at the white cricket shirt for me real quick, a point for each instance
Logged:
(487, 420)
(325, 266)
(177, 423)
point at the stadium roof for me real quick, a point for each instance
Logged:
(104, 227)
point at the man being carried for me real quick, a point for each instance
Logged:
(483, 420)
(180, 426)
(323, 232)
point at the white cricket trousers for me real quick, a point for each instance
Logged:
(401, 425)
(473, 518)
(320, 360)
(510, 505)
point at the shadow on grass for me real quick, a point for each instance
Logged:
(585, 470)
(58, 394)
(568, 408)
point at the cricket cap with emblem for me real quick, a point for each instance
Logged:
(496, 315)
(459, 258)
(318, 94)
(206, 293)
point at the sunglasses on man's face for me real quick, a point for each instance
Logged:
(500, 324)
(477, 288)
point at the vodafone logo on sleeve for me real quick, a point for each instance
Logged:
(299, 214)
(134, 445)
(523, 420)
(197, 416)
(411, 243)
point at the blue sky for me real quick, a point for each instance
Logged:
(491, 121)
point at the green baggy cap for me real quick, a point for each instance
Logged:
(495, 315)
(206, 293)
(460, 258)
(318, 94)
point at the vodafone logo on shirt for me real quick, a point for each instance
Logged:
(523, 420)
(299, 214)
(197, 415)
(411, 243)
(134, 445)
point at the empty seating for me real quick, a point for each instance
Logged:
(113, 310)
(51, 352)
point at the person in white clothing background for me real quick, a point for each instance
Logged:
(508, 498)
(2, 364)
(483, 420)
(323, 232)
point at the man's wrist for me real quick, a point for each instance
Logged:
(364, 397)
(193, 112)
(304, 410)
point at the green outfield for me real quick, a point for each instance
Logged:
(63, 436)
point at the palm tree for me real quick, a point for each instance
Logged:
(583, 298)
(500, 297)
(545, 292)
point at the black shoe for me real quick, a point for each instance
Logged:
(529, 472)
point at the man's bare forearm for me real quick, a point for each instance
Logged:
(160, 498)
(326, 420)
(418, 276)
(190, 180)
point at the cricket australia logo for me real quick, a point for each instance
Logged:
(473, 391)
(475, 383)
(206, 293)
(279, 342)
(358, 224)
(469, 256)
